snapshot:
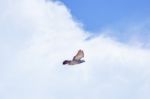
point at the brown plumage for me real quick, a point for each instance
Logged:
(76, 59)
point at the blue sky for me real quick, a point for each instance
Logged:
(37, 36)
(118, 15)
(96, 14)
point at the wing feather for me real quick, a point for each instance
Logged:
(79, 55)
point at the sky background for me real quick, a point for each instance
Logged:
(97, 14)
(37, 35)
(123, 17)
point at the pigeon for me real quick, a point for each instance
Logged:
(76, 59)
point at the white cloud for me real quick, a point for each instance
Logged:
(135, 33)
(43, 34)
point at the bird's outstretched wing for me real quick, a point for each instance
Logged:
(79, 55)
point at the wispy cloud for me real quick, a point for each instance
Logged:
(45, 34)
(135, 33)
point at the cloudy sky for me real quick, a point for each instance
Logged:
(37, 35)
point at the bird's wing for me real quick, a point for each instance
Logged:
(79, 55)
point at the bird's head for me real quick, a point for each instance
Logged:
(65, 62)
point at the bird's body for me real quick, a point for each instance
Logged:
(76, 59)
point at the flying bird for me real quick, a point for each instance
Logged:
(76, 59)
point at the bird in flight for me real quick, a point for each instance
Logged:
(76, 59)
